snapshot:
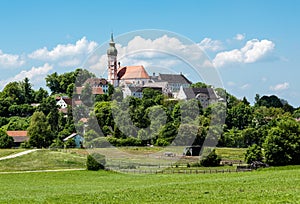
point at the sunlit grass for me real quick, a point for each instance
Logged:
(268, 186)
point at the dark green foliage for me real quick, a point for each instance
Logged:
(62, 83)
(282, 145)
(3, 121)
(39, 131)
(40, 95)
(119, 142)
(99, 142)
(239, 116)
(212, 159)
(95, 162)
(21, 110)
(199, 85)
(17, 123)
(87, 97)
(270, 101)
(5, 140)
(48, 105)
(70, 143)
(27, 91)
(168, 132)
(254, 153)
(13, 92)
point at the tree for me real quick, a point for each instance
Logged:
(239, 116)
(87, 97)
(27, 91)
(53, 83)
(282, 145)
(254, 153)
(53, 120)
(186, 135)
(40, 95)
(17, 123)
(39, 131)
(82, 75)
(48, 105)
(13, 92)
(5, 140)
(168, 132)
(61, 83)
(199, 85)
(270, 101)
(211, 160)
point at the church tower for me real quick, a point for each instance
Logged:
(112, 62)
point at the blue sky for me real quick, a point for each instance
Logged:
(254, 45)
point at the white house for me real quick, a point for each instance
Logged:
(206, 96)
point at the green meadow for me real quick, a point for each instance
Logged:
(272, 185)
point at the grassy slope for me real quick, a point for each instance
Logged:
(43, 159)
(232, 153)
(267, 186)
(6, 152)
(75, 158)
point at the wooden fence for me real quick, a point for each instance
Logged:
(180, 171)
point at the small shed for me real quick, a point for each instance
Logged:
(192, 151)
(19, 136)
(78, 139)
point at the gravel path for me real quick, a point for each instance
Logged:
(18, 154)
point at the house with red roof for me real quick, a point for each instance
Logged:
(19, 136)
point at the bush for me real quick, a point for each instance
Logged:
(161, 142)
(100, 142)
(25, 145)
(95, 162)
(212, 159)
(130, 141)
(5, 140)
(254, 153)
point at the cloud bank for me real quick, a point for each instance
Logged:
(253, 51)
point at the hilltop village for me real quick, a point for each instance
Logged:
(133, 79)
(134, 108)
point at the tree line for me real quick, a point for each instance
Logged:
(268, 128)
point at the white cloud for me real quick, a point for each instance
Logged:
(163, 51)
(35, 74)
(68, 54)
(9, 60)
(253, 51)
(70, 63)
(207, 44)
(280, 87)
(239, 37)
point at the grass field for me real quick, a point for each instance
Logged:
(273, 185)
(140, 158)
(6, 152)
(43, 159)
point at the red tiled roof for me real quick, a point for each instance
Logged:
(18, 136)
(17, 133)
(95, 90)
(133, 72)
